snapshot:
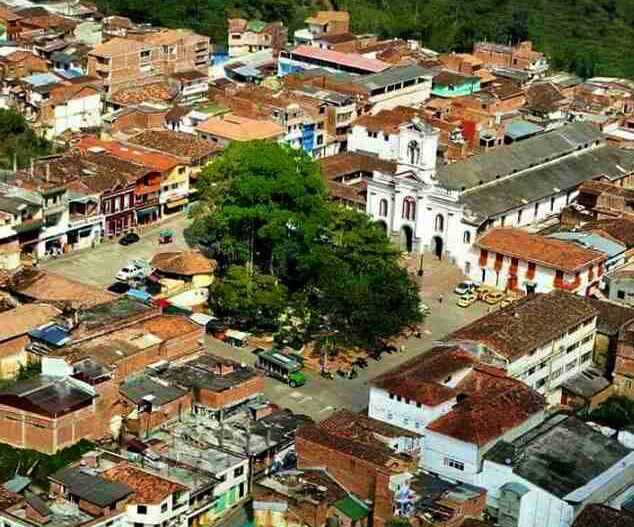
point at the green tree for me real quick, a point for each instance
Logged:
(398, 521)
(264, 207)
(18, 143)
(263, 203)
(253, 299)
(616, 412)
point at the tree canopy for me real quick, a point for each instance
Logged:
(265, 213)
(616, 412)
(18, 143)
(587, 37)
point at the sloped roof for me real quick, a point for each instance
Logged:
(239, 128)
(19, 320)
(183, 263)
(347, 163)
(179, 144)
(351, 60)
(117, 46)
(148, 488)
(596, 515)
(90, 487)
(494, 404)
(543, 250)
(518, 156)
(527, 323)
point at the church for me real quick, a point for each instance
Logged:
(393, 172)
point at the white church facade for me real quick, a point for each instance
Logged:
(397, 178)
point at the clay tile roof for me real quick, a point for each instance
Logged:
(544, 96)
(167, 327)
(239, 128)
(620, 229)
(157, 92)
(595, 515)
(179, 144)
(346, 163)
(183, 263)
(372, 452)
(355, 193)
(48, 287)
(542, 250)
(494, 404)
(132, 153)
(445, 78)
(8, 498)
(7, 14)
(20, 320)
(388, 121)
(189, 75)
(527, 323)
(421, 378)
(148, 488)
(237, 25)
(350, 424)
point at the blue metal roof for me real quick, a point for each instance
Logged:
(41, 79)
(591, 241)
(52, 334)
(520, 129)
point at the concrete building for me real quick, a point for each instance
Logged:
(521, 57)
(323, 23)
(249, 36)
(524, 489)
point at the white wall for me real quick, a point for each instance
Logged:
(78, 113)
(409, 96)
(384, 146)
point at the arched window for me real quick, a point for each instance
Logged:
(413, 152)
(383, 208)
(409, 208)
(466, 237)
(439, 223)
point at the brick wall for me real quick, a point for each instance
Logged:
(233, 396)
(168, 412)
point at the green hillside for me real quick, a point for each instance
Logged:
(588, 37)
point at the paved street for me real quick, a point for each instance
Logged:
(99, 265)
(319, 397)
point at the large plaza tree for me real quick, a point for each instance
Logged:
(264, 207)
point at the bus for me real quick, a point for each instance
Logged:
(284, 368)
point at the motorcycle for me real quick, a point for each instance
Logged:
(327, 375)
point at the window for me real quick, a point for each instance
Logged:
(572, 347)
(587, 339)
(141, 509)
(552, 204)
(238, 472)
(409, 208)
(571, 365)
(519, 216)
(126, 201)
(586, 357)
(541, 382)
(117, 204)
(531, 370)
(145, 54)
(536, 211)
(383, 208)
(458, 465)
(164, 507)
(398, 398)
(107, 206)
(439, 223)
(413, 152)
(391, 395)
(556, 373)
(466, 237)
(620, 295)
(502, 221)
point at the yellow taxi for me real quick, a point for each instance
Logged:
(494, 297)
(466, 300)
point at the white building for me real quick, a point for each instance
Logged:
(445, 209)
(548, 475)
(515, 260)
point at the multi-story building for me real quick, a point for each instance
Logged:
(521, 57)
(324, 23)
(249, 36)
(147, 58)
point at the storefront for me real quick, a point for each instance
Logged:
(148, 215)
(175, 205)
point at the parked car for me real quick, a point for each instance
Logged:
(467, 300)
(482, 291)
(130, 272)
(466, 286)
(494, 297)
(129, 239)
(118, 288)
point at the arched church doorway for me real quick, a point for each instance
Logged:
(407, 238)
(437, 246)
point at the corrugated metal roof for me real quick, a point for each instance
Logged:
(352, 60)
(393, 76)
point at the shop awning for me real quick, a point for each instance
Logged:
(177, 203)
(146, 212)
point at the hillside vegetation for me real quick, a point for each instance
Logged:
(588, 37)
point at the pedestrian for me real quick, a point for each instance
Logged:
(440, 299)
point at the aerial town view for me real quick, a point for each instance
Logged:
(317, 263)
